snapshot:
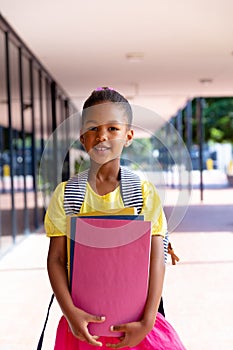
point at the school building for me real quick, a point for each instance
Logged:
(167, 58)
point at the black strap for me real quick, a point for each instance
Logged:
(131, 189)
(40, 343)
(74, 193)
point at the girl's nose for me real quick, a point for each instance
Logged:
(102, 135)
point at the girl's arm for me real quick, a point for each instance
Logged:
(135, 332)
(57, 269)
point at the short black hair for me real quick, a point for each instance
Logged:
(107, 94)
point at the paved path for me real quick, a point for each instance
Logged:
(197, 292)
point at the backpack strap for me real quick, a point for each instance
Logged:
(74, 194)
(165, 246)
(40, 343)
(131, 189)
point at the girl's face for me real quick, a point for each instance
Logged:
(105, 132)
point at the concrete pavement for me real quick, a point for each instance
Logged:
(197, 292)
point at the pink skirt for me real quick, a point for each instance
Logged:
(162, 337)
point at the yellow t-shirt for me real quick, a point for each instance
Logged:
(55, 218)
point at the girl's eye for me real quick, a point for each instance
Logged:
(113, 128)
(92, 128)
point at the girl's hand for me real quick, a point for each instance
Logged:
(135, 332)
(78, 323)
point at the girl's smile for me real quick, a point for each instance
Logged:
(101, 148)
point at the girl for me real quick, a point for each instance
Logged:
(106, 130)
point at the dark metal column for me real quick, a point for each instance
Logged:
(188, 124)
(41, 113)
(179, 127)
(1, 160)
(167, 130)
(48, 105)
(54, 126)
(42, 180)
(171, 132)
(1, 177)
(189, 136)
(200, 137)
(8, 90)
(48, 179)
(22, 107)
(66, 165)
(34, 152)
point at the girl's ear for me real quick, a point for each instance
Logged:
(129, 138)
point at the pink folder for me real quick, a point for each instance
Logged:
(110, 269)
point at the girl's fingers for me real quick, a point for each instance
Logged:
(118, 328)
(83, 333)
(92, 340)
(96, 319)
(95, 343)
(123, 339)
(95, 337)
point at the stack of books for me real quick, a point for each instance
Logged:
(109, 266)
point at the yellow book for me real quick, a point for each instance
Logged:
(121, 211)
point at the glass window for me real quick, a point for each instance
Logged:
(26, 124)
(5, 204)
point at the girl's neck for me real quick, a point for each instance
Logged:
(104, 178)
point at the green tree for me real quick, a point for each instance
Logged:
(218, 119)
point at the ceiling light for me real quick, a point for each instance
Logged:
(134, 56)
(206, 81)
